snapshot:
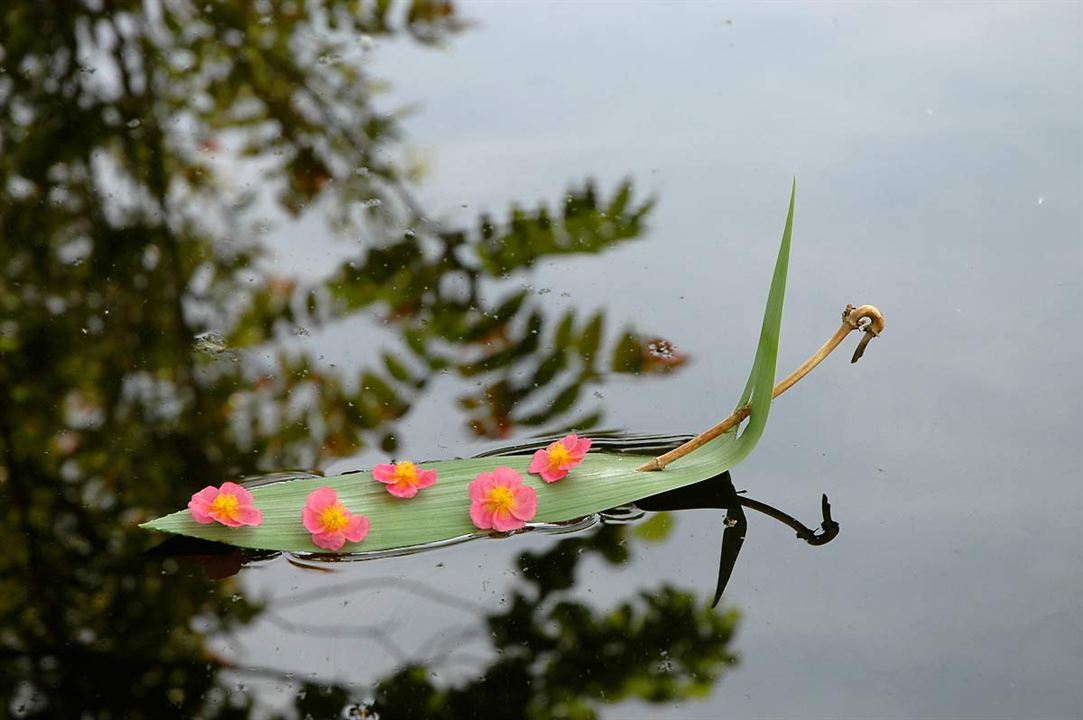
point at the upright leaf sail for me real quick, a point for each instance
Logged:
(440, 513)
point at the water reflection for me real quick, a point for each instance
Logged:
(142, 336)
(560, 658)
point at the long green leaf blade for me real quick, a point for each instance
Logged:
(441, 512)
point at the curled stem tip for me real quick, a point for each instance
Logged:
(866, 318)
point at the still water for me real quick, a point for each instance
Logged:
(243, 238)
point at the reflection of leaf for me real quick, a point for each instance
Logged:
(656, 528)
(440, 512)
(584, 227)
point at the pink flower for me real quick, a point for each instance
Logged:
(404, 479)
(330, 523)
(230, 505)
(500, 501)
(554, 462)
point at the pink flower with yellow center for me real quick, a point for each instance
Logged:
(404, 479)
(330, 523)
(554, 462)
(230, 505)
(500, 501)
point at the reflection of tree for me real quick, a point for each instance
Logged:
(556, 657)
(126, 129)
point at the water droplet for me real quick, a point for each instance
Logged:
(134, 123)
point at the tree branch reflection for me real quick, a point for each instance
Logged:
(145, 147)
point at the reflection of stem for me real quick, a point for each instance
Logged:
(413, 587)
(377, 635)
(829, 526)
(851, 320)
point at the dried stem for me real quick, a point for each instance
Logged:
(866, 318)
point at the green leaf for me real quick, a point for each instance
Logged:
(440, 513)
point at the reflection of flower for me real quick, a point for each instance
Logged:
(554, 462)
(330, 523)
(500, 501)
(230, 505)
(404, 479)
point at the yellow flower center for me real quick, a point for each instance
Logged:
(405, 472)
(558, 455)
(334, 518)
(225, 505)
(501, 498)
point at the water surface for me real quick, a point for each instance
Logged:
(227, 251)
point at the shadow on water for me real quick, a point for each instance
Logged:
(145, 351)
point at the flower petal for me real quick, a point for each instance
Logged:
(539, 462)
(480, 486)
(551, 474)
(504, 521)
(243, 496)
(321, 499)
(402, 489)
(582, 446)
(248, 515)
(357, 528)
(200, 505)
(207, 494)
(226, 519)
(310, 518)
(425, 478)
(199, 512)
(526, 503)
(480, 515)
(330, 541)
(384, 473)
(507, 477)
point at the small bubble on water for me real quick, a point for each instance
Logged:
(134, 123)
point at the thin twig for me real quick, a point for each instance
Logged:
(866, 318)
